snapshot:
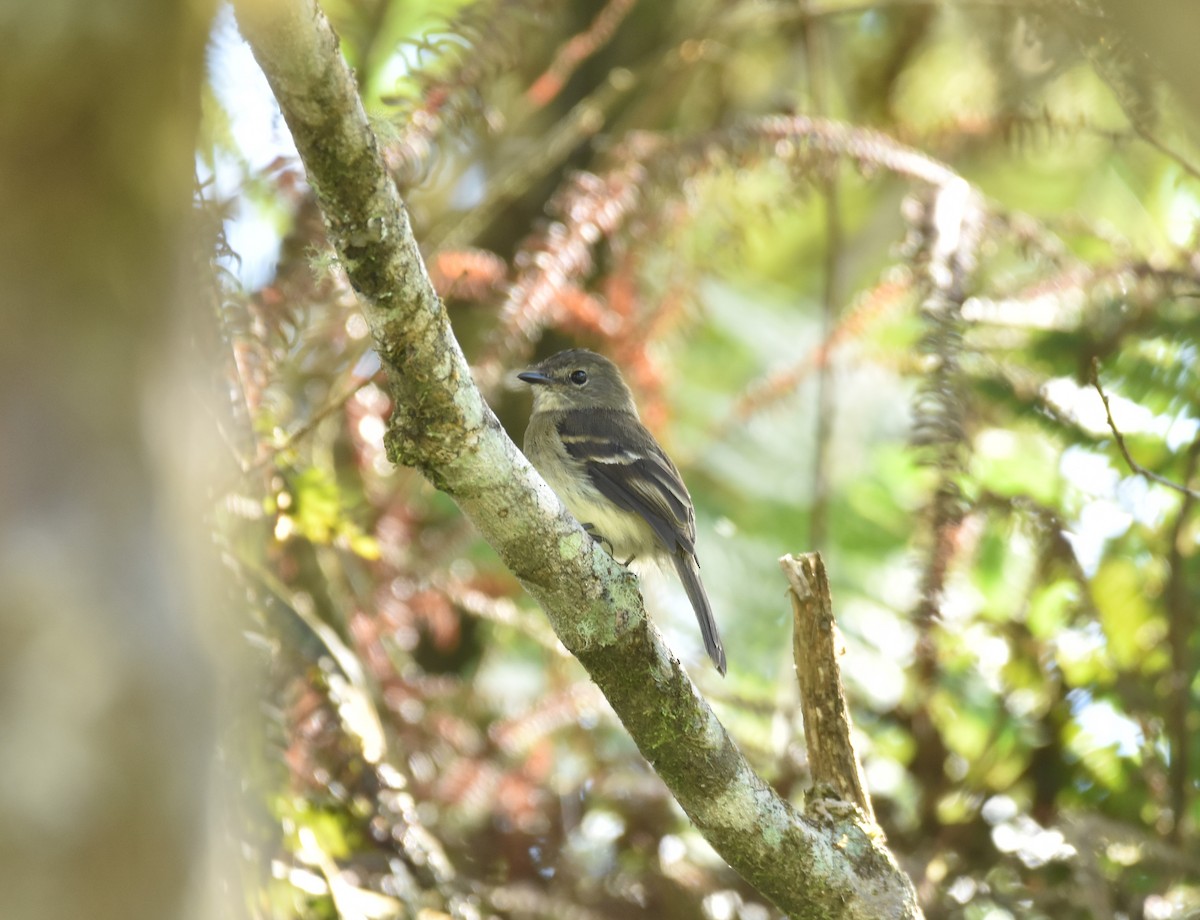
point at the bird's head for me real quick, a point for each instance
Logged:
(577, 379)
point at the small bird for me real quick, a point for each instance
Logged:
(586, 440)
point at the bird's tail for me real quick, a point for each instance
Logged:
(689, 573)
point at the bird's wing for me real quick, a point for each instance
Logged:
(626, 465)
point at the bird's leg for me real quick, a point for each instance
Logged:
(605, 542)
(598, 537)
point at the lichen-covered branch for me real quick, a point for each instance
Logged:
(442, 426)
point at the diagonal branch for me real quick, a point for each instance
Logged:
(442, 426)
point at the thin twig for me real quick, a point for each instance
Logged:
(1120, 439)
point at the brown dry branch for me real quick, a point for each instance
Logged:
(442, 427)
(816, 647)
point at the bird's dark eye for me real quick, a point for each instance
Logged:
(579, 378)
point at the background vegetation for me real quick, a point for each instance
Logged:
(1018, 601)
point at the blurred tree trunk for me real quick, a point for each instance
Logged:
(103, 703)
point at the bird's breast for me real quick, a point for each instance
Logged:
(627, 532)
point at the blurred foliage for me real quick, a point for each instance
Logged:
(1019, 604)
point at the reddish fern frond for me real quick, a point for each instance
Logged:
(589, 208)
(367, 631)
(592, 207)
(467, 274)
(409, 609)
(582, 46)
(522, 797)
(481, 791)
(647, 375)
(582, 313)
(621, 286)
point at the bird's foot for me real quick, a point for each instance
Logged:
(606, 543)
(598, 537)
